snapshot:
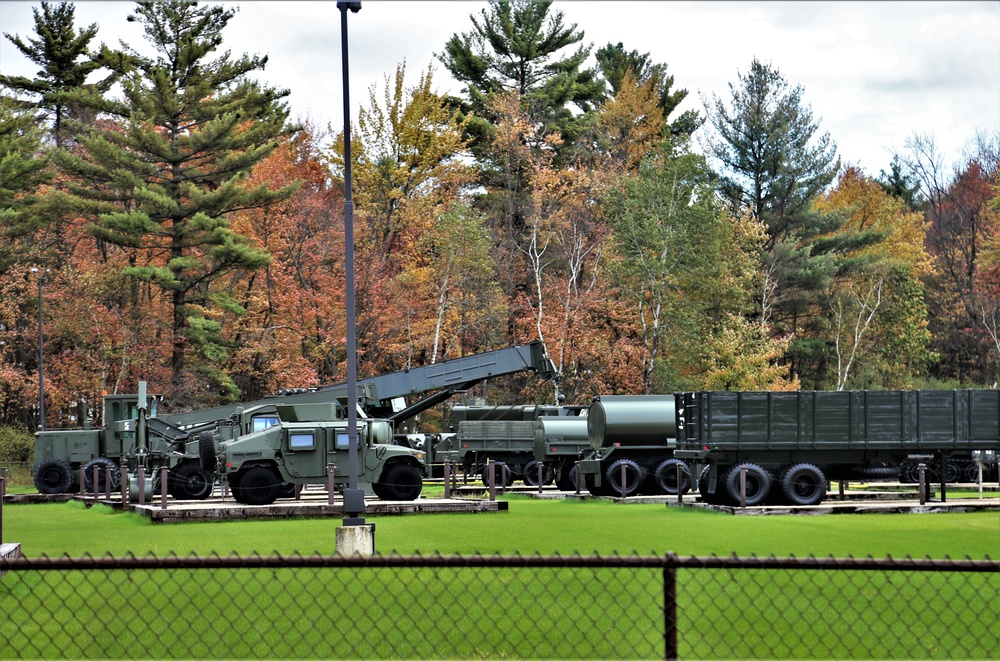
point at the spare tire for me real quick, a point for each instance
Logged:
(206, 451)
(54, 476)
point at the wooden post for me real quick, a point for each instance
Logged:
(743, 486)
(447, 478)
(163, 487)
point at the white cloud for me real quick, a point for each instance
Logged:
(875, 72)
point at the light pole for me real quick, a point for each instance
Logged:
(354, 498)
(41, 350)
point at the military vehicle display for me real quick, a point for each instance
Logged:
(788, 444)
(175, 439)
(298, 450)
(559, 443)
(506, 435)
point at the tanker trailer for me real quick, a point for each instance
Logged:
(559, 443)
(634, 436)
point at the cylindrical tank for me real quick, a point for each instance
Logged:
(566, 428)
(631, 420)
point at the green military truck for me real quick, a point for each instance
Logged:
(791, 444)
(298, 450)
(506, 435)
(156, 438)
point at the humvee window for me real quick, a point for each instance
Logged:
(301, 441)
(260, 423)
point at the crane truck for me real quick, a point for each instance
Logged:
(133, 422)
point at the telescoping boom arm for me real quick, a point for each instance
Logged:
(381, 395)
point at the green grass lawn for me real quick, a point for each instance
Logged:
(502, 613)
(530, 526)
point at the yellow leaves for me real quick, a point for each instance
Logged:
(631, 123)
(870, 208)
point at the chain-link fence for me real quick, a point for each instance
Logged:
(498, 607)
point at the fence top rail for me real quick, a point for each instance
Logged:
(666, 561)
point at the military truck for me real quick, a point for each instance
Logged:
(505, 435)
(560, 442)
(788, 444)
(299, 448)
(173, 439)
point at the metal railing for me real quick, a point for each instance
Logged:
(498, 606)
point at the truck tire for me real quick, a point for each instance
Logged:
(633, 477)
(258, 486)
(501, 473)
(189, 482)
(758, 484)
(716, 498)
(665, 477)
(54, 476)
(596, 491)
(104, 466)
(206, 451)
(802, 484)
(530, 475)
(567, 479)
(400, 482)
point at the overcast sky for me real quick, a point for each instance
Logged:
(874, 73)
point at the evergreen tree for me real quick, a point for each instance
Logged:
(614, 62)
(58, 51)
(771, 165)
(22, 170)
(516, 45)
(160, 177)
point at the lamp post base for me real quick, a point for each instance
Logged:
(356, 539)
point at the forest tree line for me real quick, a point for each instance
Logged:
(178, 226)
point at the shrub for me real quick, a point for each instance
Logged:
(16, 445)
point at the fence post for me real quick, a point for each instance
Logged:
(944, 476)
(577, 480)
(331, 471)
(298, 491)
(447, 478)
(163, 487)
(921, 472)
(97, 486)
(125, 498)
(670, 609)
(623, 480)
(225, 489)
(541, 466)
(979, 465)
(142, 485)
(3, 482)
(107, 483)
(82, 491)
(491, 473)
(843, 487)
(3, 490)
(743, 485)
(680, 480)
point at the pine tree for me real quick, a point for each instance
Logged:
(614, 62)
(58, 51)
(159, 177)
(518, 46)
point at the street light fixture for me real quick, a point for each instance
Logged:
(41, 350)
(354, 498)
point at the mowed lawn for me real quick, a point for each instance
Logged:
(530, 526)
(461, 612)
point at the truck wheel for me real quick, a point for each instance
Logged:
(258, 486)
(716, 498)
(567, 479)
(531, 474)
(189, 482)
(665, 477)
(401, 482)
(501, 473)
(206, 451)
(802, 484)
(633, 477)
(103, 466)
(758, 484)
(54, 476)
